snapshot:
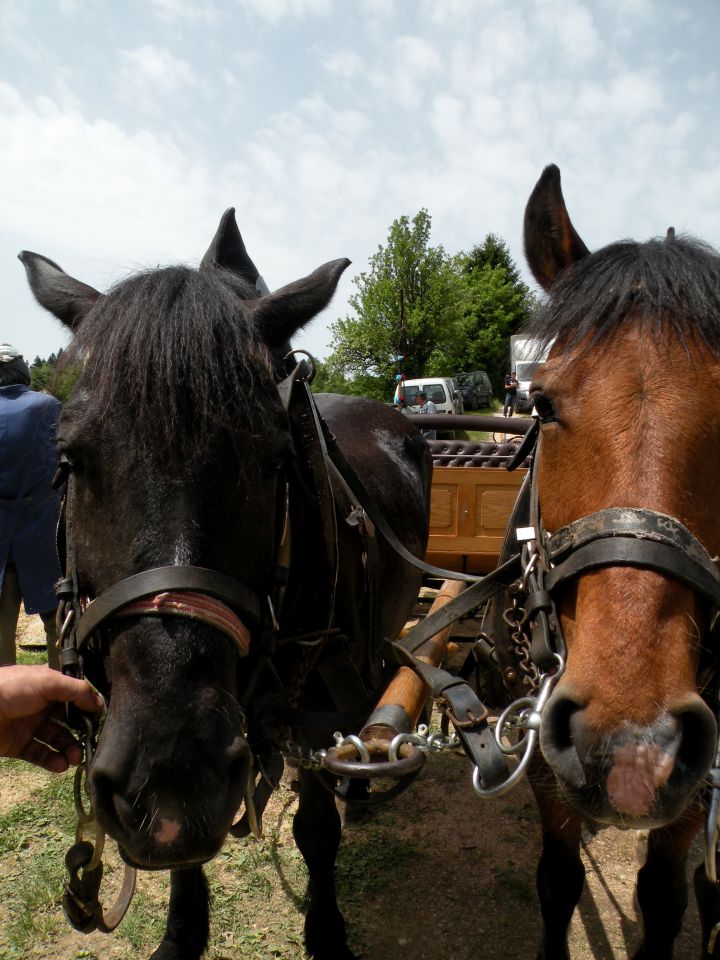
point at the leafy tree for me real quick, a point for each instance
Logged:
(366, 345)
(495, 305)
(459, 312)
(51, 376)
(493, 253)
(328, 379)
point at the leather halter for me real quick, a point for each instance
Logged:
(197, 593)
(628, 536)
(614, 537)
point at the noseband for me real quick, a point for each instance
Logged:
(614, 537)
(197, 593)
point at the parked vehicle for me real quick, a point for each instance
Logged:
(443, 391)
(526, 355)
(475, 388)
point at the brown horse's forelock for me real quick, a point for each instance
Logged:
(174, 354)
(668, 285)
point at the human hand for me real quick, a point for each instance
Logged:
(31, 712)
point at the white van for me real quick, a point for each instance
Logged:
(443, 391)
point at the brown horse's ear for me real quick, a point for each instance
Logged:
(283, 312)
(227, 250)
(69, 299)
(551, 241)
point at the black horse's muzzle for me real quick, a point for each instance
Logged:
(175, 811)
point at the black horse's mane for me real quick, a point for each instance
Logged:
(175, 349)
(667, 285)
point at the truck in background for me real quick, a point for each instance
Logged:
(526, 355)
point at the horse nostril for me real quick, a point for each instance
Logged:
(101, 788)
(699, 735)
(562, 737)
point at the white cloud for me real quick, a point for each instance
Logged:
(628, 97)
(194, 11)
(570, 26)
(149, 72)
(456, 107)
(104, 174)
(345, 63)
(277, 10)
(379, 8)
(344, 126)
(410, 63)
(15, 34)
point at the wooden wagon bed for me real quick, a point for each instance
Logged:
(471, 500)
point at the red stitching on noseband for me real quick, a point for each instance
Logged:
(195, 606)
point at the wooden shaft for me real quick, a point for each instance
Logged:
(406, 690)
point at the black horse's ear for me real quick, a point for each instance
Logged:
(283, 312)
(69, 299)
(551, 241)
(227, 250)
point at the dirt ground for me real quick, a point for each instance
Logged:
(448, 876)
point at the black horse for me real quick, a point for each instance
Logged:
(189, 449)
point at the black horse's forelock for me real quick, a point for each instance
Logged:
(669, 285)
(175, 352)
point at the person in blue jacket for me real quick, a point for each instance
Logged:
(28, 504)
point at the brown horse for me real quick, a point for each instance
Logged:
(629, 455)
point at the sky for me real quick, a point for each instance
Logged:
(127, 129)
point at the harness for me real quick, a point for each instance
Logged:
(527, 645)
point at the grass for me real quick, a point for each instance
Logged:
(35, 834)
(257, 886)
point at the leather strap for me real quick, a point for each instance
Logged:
(639, 523)
(370, 507)
(194, 606)
(470, 599)
(645, 554)
(162, 580)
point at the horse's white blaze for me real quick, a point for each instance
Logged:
(181, 555)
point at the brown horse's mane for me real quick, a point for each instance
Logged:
(666, 285)
(174, 351)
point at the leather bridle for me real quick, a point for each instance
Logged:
(613, 537)
(197, 593)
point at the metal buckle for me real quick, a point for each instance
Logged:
(470, 723)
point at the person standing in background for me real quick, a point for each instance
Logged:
(426, 407)
(511, 388)
(28, 504)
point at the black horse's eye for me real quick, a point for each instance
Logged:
(66, 457)
(543, 406)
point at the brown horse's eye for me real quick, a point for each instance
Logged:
(543, 407)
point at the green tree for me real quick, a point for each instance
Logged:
(51, 376)
(496, 303)
(493, 253)
(366, 345)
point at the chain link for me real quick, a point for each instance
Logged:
(308, 759)
(515, 619)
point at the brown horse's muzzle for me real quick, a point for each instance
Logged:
(635, 776)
